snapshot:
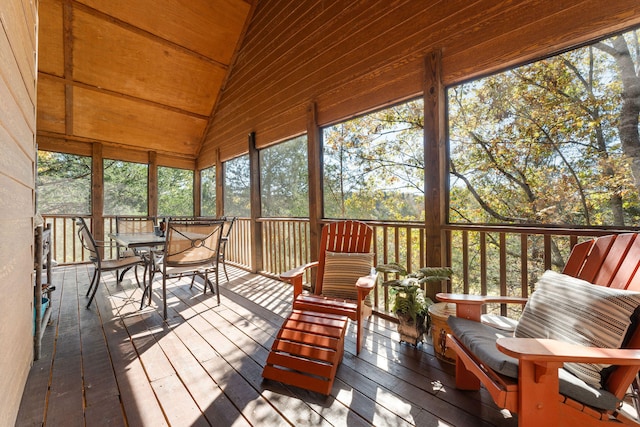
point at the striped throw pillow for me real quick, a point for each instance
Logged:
(342, 271)
(572, 310)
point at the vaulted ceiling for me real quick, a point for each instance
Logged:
(143, 74)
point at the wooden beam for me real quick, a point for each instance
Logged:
(67, 23)
(314, 158)
(434, 161)
(152, 184)
(197, 193)
(219, 185)
(256, 207)
(97, 193)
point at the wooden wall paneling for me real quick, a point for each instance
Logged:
(14, 160)
(292, 122)
(17, 106)
(304, 83)
(22, 41)
(545, 29)
(281, 34)
(51, 48)
(51, 105)
(209, 27)
(17, 192)
(475, 37)
(95, 115)
(367, 94)
(143, 60)
(320, 50)
(16, 311)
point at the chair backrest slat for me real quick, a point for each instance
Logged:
(126, 224)
(342, 236)
(193, 242)
(611, 261)
(87, 240)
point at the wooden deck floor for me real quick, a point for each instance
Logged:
(116, 365)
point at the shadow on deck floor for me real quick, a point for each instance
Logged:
(116, 365)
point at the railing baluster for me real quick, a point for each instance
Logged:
(503, 271)
(474, 251)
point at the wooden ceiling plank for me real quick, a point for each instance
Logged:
(107, 118)
(208, 27)
(142, 68)
(51, 114)
(51, 47)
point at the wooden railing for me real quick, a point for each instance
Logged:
(66, 247)
(485, 259)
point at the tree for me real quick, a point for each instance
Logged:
(284, 179)
(125, 188)
(542, 144)
(175, 192)
(237, 200)
(374, 165)
(63, 183)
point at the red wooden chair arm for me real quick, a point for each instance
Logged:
(470, 306)
(367, 282)
(294, 276)
(547, 350)
(289, 276)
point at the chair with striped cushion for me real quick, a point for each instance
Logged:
(344, 274)
(575, 351)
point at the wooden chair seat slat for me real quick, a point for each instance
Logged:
(307, 355)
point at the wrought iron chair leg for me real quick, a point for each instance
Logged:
(95, 289)
(93, 281)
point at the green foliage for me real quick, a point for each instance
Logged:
(407, 288)
(175, 192)
(374, 165)
(284, 180)
(543, 143)
(208, 191)
(237, 199)
(63, 183)
(125, 188)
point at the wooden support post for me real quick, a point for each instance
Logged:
(314, 158)
(256, 207)
(434, 161)
(219, 185)
(152, 184)
(97, 194)
(197, 193)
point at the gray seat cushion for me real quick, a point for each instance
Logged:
(481, 339)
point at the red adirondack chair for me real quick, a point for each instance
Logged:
(610, 261)
(342, 281)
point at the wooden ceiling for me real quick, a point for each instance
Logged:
(143, 74)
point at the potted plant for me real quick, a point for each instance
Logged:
(410, 304)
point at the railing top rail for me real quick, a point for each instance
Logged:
(547, 230)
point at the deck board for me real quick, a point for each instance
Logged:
(116, 365)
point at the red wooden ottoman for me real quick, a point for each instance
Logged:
(307, 351)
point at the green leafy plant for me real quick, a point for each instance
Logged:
(407, 287)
